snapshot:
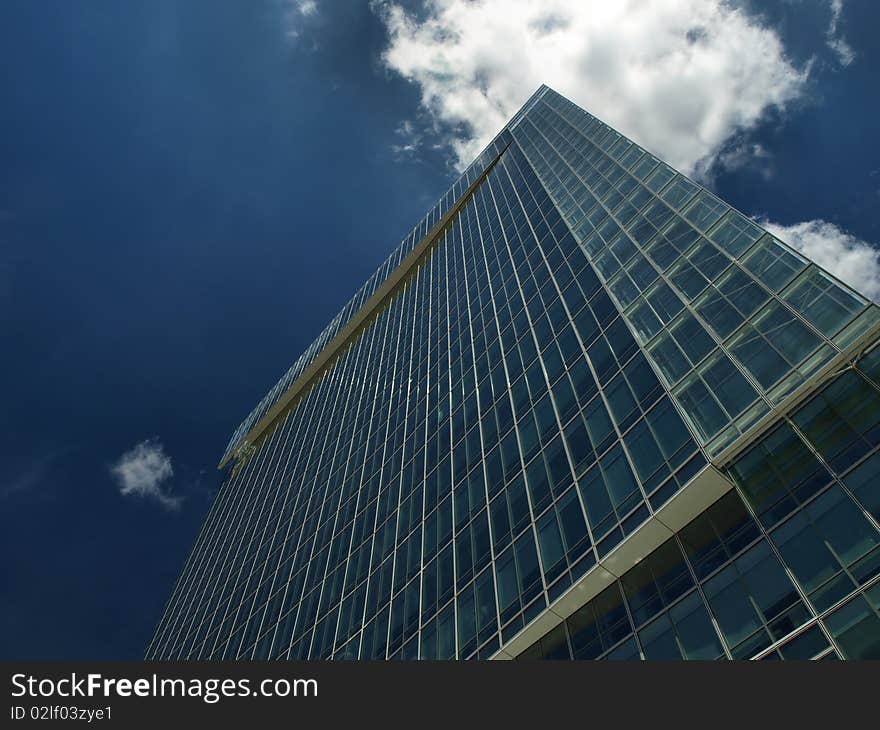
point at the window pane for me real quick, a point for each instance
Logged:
(864, 483)
(705, 210)
(764, 363)
(727, 383)
(735, 234)
(842, 422)
(786, 333)
(721, 315)
(701, 407)
(679, 191)
(772, 263)
(742, 291)
(823, 302)
(856, 629)
(778, 474)
(696, 635)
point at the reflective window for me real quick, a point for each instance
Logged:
(735, 234)
(705, 210)
(855, 627)
(778, 473)
(842, 421)
(822, 301)
(772, 263)
(715, 395)
(822, 541)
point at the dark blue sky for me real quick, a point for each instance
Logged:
(187, 196)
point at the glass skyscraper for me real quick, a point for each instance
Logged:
(584, 410)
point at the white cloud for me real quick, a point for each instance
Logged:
(410, 141)
(836, 42)
(679, 76)
(851, 259)
(294, 13)
(142, 471)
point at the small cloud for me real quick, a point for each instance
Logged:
(410, 142)
(142, 471)
(307, 7)
(294, 12)
(836, 42)
(849, 258)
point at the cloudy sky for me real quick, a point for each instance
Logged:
(177, 181)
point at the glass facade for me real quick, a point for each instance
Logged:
(600, 414)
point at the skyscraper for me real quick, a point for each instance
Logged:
(584, 410)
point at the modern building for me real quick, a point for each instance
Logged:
(584, 410)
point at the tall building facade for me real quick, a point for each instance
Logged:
(584, 410)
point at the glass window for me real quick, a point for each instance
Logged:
(642, 272)
(644, 321)
(753, 595)
(773, 263)
(656, 582)
(664, 301)
(807, 645)
(599, 625)
(735, 234)
(552, 551)
(708, 260)
(870, 364)
(681, 235)
(718, 534)
(679, 192)
(661, 175)
(671, 433)
(645, 166)
(669, 358)
(727, 384)
(788, 335)
(528, 572)
(644, 451)
(715, 394)
(818, 542)
(864, 483)
(705, 210)
(688, 279)
(691, 337)
(599, 426)
(842, 422)
(658, 214)
(573, 525)
(608, 487)
(855, 627)
(742, 291)
(680, 348)
(822, 301)
(658, 640)
(701, 407)
(554, 645)
(661, 251)
(764, 363)
(721, 315)
(778, 474)
(621, 402)
(693, 627)
(642, 381)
